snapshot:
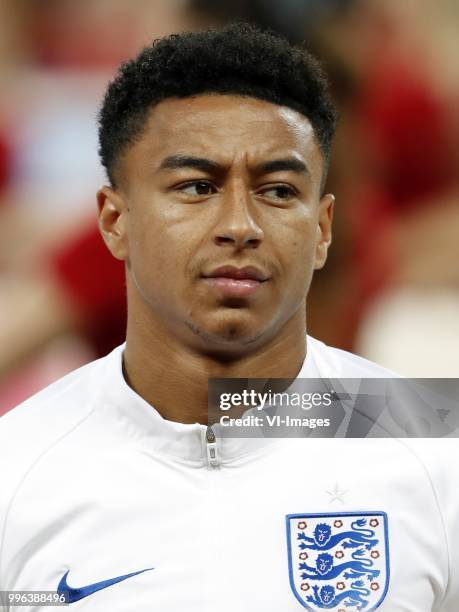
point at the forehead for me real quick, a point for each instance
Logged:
(227, 128)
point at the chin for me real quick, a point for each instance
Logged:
(226, 335)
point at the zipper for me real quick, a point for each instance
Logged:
(213, 460)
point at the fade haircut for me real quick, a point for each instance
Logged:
(238, 60)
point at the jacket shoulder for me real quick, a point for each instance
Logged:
(337, 363)
(34, 426)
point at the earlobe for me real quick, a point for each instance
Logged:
(112, 221)
(324, 230)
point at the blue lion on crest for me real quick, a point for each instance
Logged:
(326, 570)
(324, 540)
(326, 598)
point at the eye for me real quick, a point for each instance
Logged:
(197, 188)
(279, 192)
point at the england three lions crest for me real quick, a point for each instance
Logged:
(339, 561)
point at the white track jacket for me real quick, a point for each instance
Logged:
(107, 503)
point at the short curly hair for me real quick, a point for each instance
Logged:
(239, 59)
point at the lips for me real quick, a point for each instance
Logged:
(236, 282)
(246, 273)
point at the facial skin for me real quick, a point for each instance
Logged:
(194, 193)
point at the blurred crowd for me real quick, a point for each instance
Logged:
(390, 290)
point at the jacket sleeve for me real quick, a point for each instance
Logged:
(441, 458)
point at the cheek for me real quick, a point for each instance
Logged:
(151, 258)
(297, 248)
(160, 250)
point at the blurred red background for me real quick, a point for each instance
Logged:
(390, 290)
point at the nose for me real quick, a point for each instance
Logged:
(236, 225)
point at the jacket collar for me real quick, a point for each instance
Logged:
(122, 407)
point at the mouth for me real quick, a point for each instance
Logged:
(236, 282)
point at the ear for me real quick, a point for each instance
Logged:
(324, 230)
(113, 212)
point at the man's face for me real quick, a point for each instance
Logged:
(219, 181)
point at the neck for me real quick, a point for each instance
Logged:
(173, 376)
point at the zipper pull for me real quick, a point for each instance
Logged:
(212, 450)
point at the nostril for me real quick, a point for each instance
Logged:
(224, 240)
(250, 243)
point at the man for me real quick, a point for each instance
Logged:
(116, 491)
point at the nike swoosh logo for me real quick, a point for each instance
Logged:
(73, 595)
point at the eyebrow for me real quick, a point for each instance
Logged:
(289, 164)
(176, 162)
